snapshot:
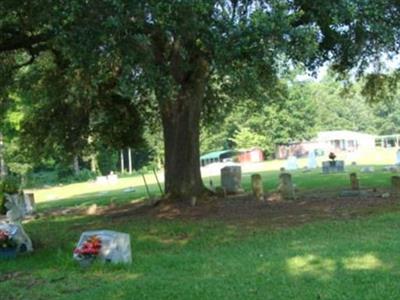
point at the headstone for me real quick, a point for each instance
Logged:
(257, 186)
(231, 178)
(286, 187)
(332, 166)
(128, 190)
(312, 160)
(396, 184)
(115, 246)
(92, 209)
(355, 185)
(291, 163)
(112, 178)
(367, 170)
(398, 157)
(101, 180)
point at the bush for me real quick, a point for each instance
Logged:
(10, 184)
(84, 175)
(40, 179)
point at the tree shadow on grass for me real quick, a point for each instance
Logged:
(356, 259)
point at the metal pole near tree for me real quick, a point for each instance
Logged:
(158, 182)
(145, 184)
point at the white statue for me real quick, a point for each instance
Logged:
(312, 160)
(15, 214)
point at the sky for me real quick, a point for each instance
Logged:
(389, 65)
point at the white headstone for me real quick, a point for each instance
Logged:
(101, 180)
(291, 163)
(367, 169)
(398, 157)
(115, 246)
(112, 178)
(312, 160)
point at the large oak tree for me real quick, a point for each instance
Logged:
(182, 59)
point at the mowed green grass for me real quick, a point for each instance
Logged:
(85, 194)
(209, 259)
(353, 259)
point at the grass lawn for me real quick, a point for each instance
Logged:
(85, 194)
(354, 258)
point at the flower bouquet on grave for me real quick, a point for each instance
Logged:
(88, 251)
(8, 247)
(332, 157)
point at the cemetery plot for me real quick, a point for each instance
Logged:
(273, 211)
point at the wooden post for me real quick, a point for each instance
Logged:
(130, 160)
(257, 186)
(122, 162)
(355, 185)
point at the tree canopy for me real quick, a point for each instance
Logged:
(107, 68)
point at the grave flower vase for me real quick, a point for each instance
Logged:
(8, 253)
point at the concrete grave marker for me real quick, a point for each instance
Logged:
(312, 160)
(354, 182)
(257, 186)
(291, 163)
(115, 246)
(231, 179)
(395, 185)
(286, 187)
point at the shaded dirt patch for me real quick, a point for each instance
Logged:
(273, 211)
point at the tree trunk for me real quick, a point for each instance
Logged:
(76, 165)
(93, 163)
(181, 127)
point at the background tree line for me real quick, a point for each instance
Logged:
(299, 110)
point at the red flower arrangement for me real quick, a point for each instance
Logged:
(90, 248)
(6, 240)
